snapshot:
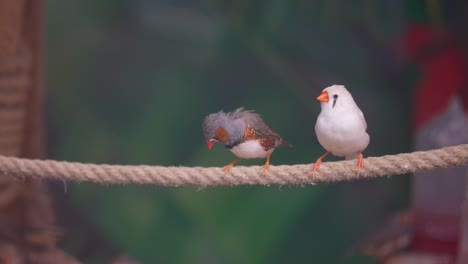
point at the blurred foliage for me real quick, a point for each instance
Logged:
(129, 82)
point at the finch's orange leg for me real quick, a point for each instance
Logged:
(316, 165)
(360, 164)
(267, 165)
(228, 167)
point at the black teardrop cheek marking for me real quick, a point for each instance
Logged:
(335, 97)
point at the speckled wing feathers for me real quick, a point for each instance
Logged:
(257, 129)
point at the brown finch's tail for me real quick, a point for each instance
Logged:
(285, 144)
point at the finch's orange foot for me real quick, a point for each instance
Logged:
(360, 164)
(265, 168)
(316, 165)
(227, 168)
(315, 168)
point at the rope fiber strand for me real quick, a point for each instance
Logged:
(239, 175)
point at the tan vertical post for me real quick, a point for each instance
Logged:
(25, 207)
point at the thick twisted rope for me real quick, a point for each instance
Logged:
(239, 175)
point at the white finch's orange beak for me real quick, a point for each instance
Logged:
(210, 143)
(323, 97)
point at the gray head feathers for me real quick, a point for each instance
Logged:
(232, 122)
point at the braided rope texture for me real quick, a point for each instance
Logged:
(239, 175)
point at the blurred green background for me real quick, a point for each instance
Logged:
(130, 82)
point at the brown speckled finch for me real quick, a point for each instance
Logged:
(244, 133)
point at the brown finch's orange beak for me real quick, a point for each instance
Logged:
(210, 143)
(323, 97)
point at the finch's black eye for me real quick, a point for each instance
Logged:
(335, 96)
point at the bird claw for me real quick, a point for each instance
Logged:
(360, 164)
(265, 168)
(227, 168)
(315, 168)
(316, 165)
